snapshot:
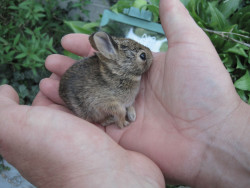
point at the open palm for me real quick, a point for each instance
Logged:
(184, 96)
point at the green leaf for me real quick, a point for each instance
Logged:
(91, 25)
(249, 57)
(228, 61)
(237, 49)
(155, 10)
(196, 10)
(217, 41)
(23, 90)
(75, 25)
(7, 48)
(244, 82)
(36, 58)
(3, 81)
(82, 27)
(228, 7)
(25, 4)
(50, 45)
(38, 8)
(10, 56)
(239, 64)
(139, 3)
(245, 21)
(75, 5)
(218, 20)
(13, 7)
(28, 31)
(20, 56)
(121, 4)
(27, 15)
(5, 42)
(40, 15)
(16, 40)
(242, 18)
(70, 54)
(242, 95)
(155, 2)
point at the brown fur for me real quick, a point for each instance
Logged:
(102, 88)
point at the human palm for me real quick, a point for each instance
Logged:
(184, 96)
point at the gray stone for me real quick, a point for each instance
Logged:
(12, 179)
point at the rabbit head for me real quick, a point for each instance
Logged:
(123, 56)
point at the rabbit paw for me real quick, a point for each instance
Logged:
(124, 124)
(131, 114)
(111, 120)
(108, 121)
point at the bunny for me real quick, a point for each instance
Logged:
(102, 88)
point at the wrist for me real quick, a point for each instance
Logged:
(226, 160)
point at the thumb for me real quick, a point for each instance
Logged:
(8, 95)
(177, 23)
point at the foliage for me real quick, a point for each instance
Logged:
(152, 5)
(30, 31)
(88, 28)
(83, 27)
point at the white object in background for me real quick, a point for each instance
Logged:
(146, 40)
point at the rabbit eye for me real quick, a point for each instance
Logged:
(143, 56)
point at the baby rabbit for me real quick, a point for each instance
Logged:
(102, 88)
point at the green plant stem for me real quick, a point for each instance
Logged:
(226, 35)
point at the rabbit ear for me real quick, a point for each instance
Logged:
(104, 43)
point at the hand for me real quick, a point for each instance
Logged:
(186, 101)
(52, 148)
(186, 104)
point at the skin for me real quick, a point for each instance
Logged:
(191, 125)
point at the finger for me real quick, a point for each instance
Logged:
(50, 87)
(58, 64)
(55, 77)
(8, 95)
(41, 99)
(77, 44)
(177, 22)
(61, 108)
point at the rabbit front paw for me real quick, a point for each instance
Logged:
(111, 120)
(131, 114)
(123, 124)
(108, 121)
